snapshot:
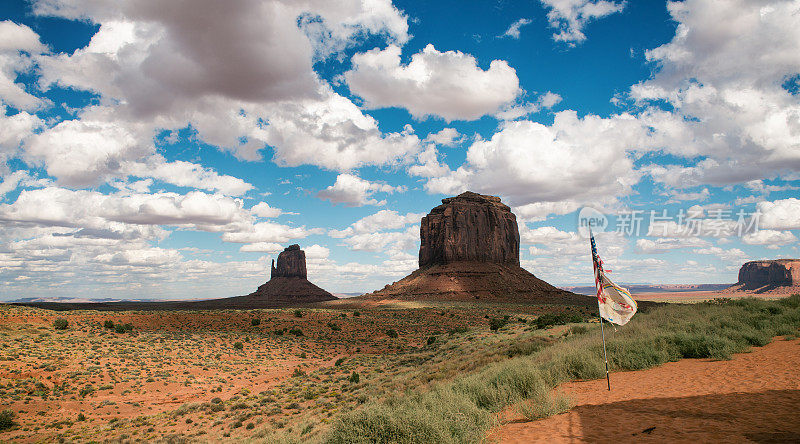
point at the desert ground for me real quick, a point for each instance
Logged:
(377, 371)
(213, 375)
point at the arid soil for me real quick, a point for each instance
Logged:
(698, 296)
(755, 397)
(213, 375)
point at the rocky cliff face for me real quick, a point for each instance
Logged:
(291, 263)
(772, 273)
(469, 228)
(469, 250)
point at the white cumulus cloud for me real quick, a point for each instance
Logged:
(447, 84)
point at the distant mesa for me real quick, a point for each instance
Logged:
(288, 286)
(469, 250)
(769, 276)
(288, 283)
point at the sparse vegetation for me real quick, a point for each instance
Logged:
(316, 385)
(460, 410)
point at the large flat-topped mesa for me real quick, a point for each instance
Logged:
(768, 274)
(469, 250)
(470, 227)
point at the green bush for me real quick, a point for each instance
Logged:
(298, 313)
(497, 323)
(60, 324)
(392, 333)
(550, 319)
(238, 345)
(339, 361)
(334, 326)
(109, 324)
(123, 328)
(255, 321)
(7, 419)
(354, 378)
(296, 331)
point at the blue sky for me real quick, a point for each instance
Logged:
(170, 151)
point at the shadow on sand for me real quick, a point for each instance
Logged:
(766, 417)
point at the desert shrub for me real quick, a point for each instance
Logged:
(431, 340)
(545, 405)
(497, 323)
(123, 328)
(238, 345)
(354, 377)
(550, 319)
(457, 330)
(392, 333)
(356, 313)
(339, 361)
(81, 417)
(109, 324)
(525, 348)
(334, 326)
(298, 313)
(7, 419)
(579, 329)
(60, 324)
(279, 332)
(255, 321)
(298, 372)
(296, 331)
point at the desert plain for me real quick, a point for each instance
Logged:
(323, 372)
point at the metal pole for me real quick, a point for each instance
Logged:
(605, 356)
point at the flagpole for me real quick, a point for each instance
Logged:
(597, 266)
(605, 356)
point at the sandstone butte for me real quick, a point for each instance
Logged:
(769, 276)
(469, 251)
(288, 283)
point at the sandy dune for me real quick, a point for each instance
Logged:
(753, 398)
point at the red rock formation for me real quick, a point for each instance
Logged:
(769, 274)
(288, 282)
(469, 228)
(291, 263)
(469, 250)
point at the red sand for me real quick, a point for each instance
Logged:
(753, 398)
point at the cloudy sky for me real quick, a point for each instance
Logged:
(171, 149)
